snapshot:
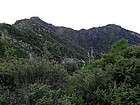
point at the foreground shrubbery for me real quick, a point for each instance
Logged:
(112, 80)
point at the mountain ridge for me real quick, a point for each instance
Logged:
(108, 25)
(99, 38)
(66, 42)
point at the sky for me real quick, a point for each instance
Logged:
(76, 14)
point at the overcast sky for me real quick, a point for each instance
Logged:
(76, 14)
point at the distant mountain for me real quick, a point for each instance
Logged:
(99, 39)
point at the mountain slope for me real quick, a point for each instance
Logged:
(99, 39)
(33, 38)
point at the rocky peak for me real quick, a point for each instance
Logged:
(35, 18)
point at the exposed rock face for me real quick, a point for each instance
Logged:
(99, 38)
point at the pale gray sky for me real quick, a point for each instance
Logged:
(76, 14)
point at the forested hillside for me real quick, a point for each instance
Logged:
(33, 39)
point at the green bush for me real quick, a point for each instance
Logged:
(40, 94)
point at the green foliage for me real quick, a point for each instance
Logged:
(120, 95)
(71, 67)
(119, 46)
(2, 50)
(9, 48)
(132, 52)
(40, 94)
(70, 100)
(112, 80)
